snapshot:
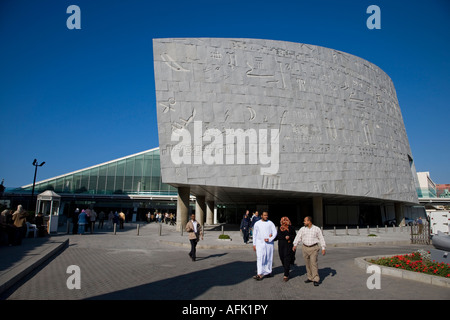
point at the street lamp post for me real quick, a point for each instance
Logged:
(36, 165)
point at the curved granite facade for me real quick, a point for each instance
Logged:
(263, 114)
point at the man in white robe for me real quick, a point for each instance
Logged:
(264, 232)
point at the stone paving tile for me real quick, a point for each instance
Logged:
(125, 266)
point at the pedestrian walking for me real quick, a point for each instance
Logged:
(116, 219)
(8, 226)
(255, 218)
(311, 237)
(166, 217)
(245, 227)
(101, 220)
(110, 219)
(420, 224)
(75, 221)
(92, 218)
(195, 232)
(40, 226)
(82, 221)
(121, 219)
(264, 232)
(19, 218)
(285, 236)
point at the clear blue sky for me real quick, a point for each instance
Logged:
(76, 98)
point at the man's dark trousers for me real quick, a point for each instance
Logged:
(245, 233)
(192, 254)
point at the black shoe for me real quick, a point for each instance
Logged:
(316, 284)
(308, 281)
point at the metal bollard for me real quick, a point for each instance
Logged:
(378, 231)
(138, 229)
(334, 228)
(385, 229)
(115, 227)
(346, 230)
(368, 229)
(68, 227)
(160, 229)
(357, 230)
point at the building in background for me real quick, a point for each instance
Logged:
(291, 128)
(131, 184)
(248, 124)
(443, 190)
(427, 188)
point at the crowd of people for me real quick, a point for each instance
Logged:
(13, 228)
(167, 218)
(14, 225)
(84, 221)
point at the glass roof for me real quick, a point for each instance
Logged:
(139, 173)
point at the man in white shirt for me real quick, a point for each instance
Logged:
(264, 232)
(311, 237)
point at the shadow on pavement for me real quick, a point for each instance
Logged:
(211, 256)
(187, 286)
(192, 285)
(11, 255)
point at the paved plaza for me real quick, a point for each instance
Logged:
(128, 266)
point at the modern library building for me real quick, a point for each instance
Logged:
(260, 125)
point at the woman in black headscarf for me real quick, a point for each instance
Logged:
(285, 236)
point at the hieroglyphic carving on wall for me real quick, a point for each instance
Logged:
(332, 109)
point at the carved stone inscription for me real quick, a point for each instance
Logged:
(339, 122)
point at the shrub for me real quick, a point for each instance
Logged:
(224, 236)
(417, 262)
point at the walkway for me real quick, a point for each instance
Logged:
(149, 266)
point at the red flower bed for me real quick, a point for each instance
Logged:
(415, 262)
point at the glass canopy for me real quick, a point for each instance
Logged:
(135, 174)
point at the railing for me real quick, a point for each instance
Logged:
(433, 193)
(420, 234)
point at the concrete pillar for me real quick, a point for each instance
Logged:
(216, 221)
(399, 214)
(209, 212)
(318, 211)
(200, 208)
(182, 207)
